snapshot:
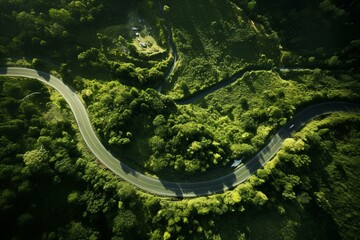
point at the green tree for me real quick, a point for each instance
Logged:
(124, 221)
(36, 159)
(76, 230)
(61, 16)
(166, 8)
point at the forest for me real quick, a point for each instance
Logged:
(117, 56)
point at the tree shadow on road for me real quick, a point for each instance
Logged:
(3, 71)
(193, 189)
(44, 75)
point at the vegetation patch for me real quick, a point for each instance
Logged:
(116, 55)
(147, 46)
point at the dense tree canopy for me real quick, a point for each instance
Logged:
(116, 55)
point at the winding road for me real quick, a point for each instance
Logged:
(172, 47)
(178, 189)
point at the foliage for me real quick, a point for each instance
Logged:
(51, 187)
(47, 172)
(214, 41)
(75, 34)
(172, 140)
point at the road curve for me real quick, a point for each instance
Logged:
(172, 47)
(178, 189)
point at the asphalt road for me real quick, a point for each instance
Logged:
(178, 189)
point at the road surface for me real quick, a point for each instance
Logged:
(178, 189)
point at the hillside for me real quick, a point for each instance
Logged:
(178, 90)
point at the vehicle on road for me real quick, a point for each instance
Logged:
(239, 174)
(237, 162)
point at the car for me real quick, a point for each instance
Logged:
(237, 162)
